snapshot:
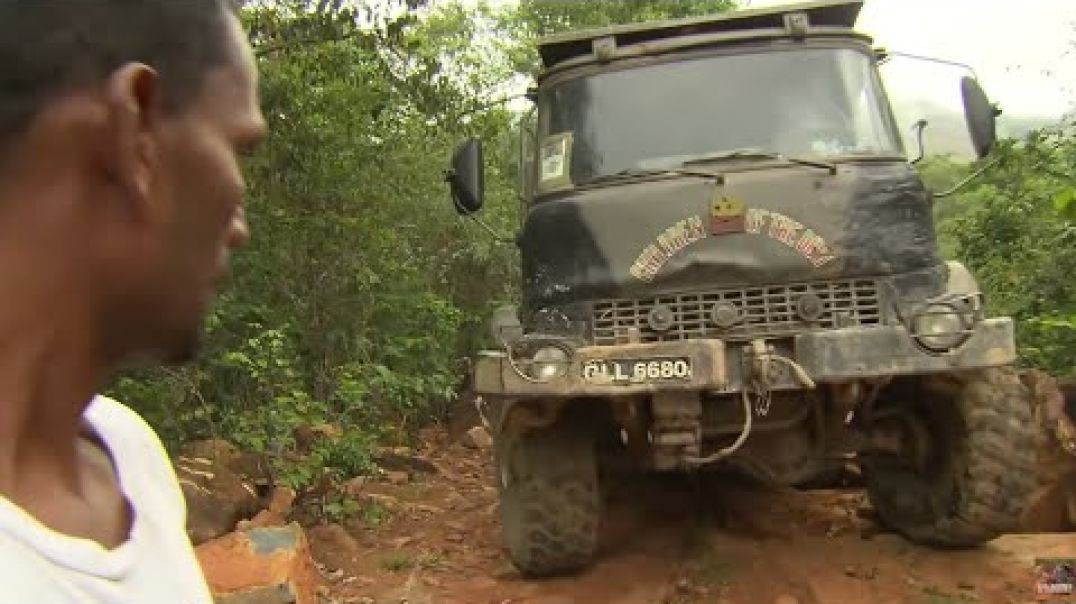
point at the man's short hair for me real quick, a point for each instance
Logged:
(52, 47)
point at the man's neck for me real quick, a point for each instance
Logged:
(47, 378)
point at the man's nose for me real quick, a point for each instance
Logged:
(238, 230)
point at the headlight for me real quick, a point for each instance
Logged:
(549, 362)
(940, 327)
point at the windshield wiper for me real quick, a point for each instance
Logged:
(758, 154)
(631, 173)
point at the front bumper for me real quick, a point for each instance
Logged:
(826, 356)
(860, 352)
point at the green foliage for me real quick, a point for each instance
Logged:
(354, 302)
(397, 561)
(1012, 232)
(375, 515)
(533, 19)
(339, 508)
(1065, 203)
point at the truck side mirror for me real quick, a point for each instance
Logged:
(981, 116)
(466, 178)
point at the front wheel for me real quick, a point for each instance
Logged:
(550, 503)
(966, 465)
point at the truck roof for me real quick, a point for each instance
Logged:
(826, 13)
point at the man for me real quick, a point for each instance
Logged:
(121, 126)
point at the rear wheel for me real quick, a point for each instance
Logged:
(550, 503)
(967, 457)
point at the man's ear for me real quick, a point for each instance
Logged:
(133, 95)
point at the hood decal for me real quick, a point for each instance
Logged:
(673, 239)
(729, 217)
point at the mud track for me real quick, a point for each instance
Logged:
(435, 540)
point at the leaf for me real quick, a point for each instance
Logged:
(1065, 203)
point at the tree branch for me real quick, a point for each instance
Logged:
(268, 50)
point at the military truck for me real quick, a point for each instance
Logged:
(728, 260)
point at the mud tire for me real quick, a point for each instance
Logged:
(982, 468)
(549, 498)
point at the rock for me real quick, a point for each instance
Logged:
(397, 478)
(355, 486)
(275, 594)
(216, 496)
(252, 467)
(386, 501)
(402, 542)
(786, 599)
(1052, 507)
(964, 584)
(425, 508)
(850, 571)
(263, 518)
(478, 438)
(333, 546)
(411, 592)
(281, 501)
(403, 460)
(260, 566)
(307, 436)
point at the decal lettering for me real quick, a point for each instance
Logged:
(756, 219)
(784, 229)
(814, 248)
(724, 221)
(670, 241)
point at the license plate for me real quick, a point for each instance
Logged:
(637, 371)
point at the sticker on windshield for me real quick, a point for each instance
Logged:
(555, 159)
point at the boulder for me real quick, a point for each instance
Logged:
(308, 436)
(1052, 507)
(333, 546)
(260, 565)
(251, 466)
(403, 460)
(478, 438)
(217, 497)
(355, 486)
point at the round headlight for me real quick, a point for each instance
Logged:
(549, 362)
(940, 328)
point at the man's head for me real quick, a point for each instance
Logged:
(121, 127)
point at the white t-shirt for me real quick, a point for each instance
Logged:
(156, 565)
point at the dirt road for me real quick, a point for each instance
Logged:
(435, 540)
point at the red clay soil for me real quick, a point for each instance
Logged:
(666, 540)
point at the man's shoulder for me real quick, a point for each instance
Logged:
(136, 450)
(128, 437)
(106, 411)
(123, 429)
(26, 577)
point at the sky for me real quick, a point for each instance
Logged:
(1024, 53)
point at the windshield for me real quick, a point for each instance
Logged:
(819, 103)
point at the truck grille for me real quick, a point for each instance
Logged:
(758, 311)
